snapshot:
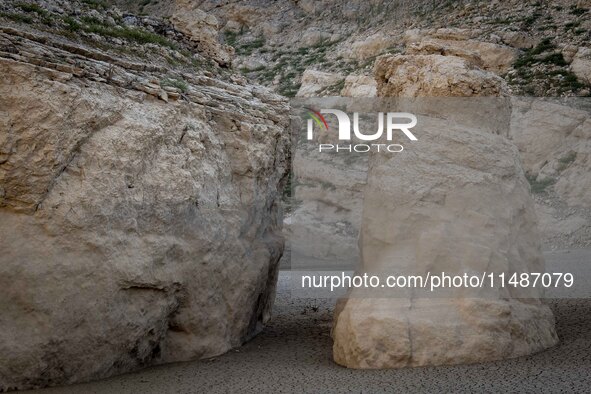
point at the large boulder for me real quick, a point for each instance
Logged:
(455, 201)
(133, 231)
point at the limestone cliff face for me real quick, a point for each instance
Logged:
(139, 221)
(330, 47)
(544, 52)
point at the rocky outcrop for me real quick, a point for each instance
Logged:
(314, 83)
(345, 37)
(581, 64)
(433, 76)
(543, 128)
(455, 201)
(371, 46)
(139, 210)
(553, 139)
(519, 39)
(202, 29)
(458, 42)
(359, 86)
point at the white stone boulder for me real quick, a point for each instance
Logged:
(455, 201)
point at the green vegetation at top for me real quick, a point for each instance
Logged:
(175, 83)
(16, 17)
(244, 48)
(72, 24)
(545, 53)
(566, 160)
(31, 7)
(129, 33)
(577, 10)
(530, 56)
(530, 20)
(289, 65)
(97, 4)
(31, 12)
(538, 187)
(94, 25)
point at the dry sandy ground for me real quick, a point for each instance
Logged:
(293, 354)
